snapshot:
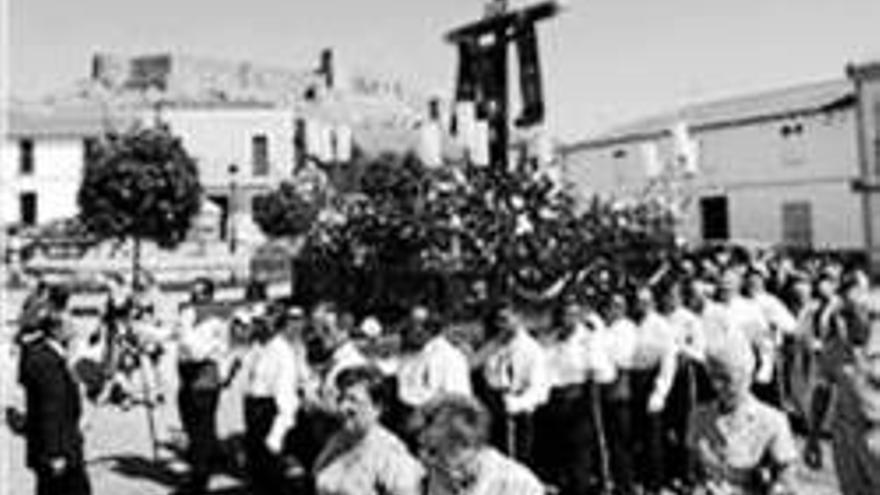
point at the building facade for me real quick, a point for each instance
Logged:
(778, 167)
(241, 150)
(867, 84)
(42, 154)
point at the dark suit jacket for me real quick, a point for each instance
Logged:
(53, 406)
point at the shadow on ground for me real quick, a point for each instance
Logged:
(228, 465)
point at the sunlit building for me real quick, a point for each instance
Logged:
(796, 166)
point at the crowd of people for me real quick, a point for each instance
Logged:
(695, 381)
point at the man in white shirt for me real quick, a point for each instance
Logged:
(578, 359)
(745, 316)
(781, 324)
(430, 366)
(271, 398)
(514, 371)
(617, 396)
(653, 364)
(691, 349)
(202, 353)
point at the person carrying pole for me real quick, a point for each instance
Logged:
(570, 449)
(513, 372)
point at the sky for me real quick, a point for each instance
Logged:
(605, 61)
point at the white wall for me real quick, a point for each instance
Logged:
(58, 169)
(757, 168)
(217, 137)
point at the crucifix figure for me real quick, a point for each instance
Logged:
(483, 68)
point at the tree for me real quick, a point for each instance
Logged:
(140, 185)
(286, 211)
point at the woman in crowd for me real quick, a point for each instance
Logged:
(738, 444)
(454, 447)
(364, 458)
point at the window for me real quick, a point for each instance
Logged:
(222, 203)
(26, 157)
(792, 150)
(797, 223)
(28, 208)
(260, 155)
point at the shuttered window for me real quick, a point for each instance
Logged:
(260, 155)
(797, 224)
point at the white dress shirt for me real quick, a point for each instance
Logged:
(690, 336)
(720, 331)
(438, 368)
(581, 356)
(203, 336)
(656, 348)
(746, 316)
(273, 372)
(621, 342)
(781, 321)
(518, 370)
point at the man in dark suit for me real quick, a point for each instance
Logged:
(52, 420)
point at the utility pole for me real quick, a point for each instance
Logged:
(483, 68)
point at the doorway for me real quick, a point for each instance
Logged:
(714, 218)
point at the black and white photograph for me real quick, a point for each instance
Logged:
(440, 247)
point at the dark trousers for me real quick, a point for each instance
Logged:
(617, 412)
(314, 427)
(681, 401)
(511, 434)
(648, 432)
(198, 414)
(566, 452)
(74, 481)
(265, 469)
(399, 418)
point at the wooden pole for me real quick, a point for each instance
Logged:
(601, 441)
(135, 263)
